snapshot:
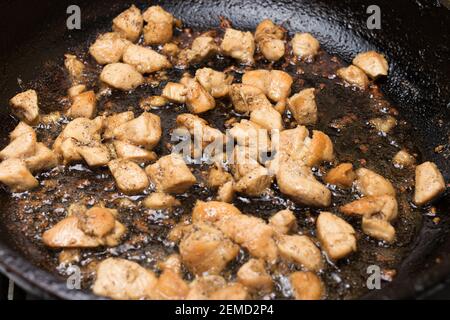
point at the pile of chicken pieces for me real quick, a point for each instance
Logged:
(217, 231)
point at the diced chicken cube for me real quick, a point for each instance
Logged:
(254, 276)
(306, 286)
(114, 121)
(378, 229)
(275, 84)
(170, 286)
(370, 183)
(255, 182)
(97, 221)
(200, 129)
(403, 159)
(215, 82)
(171, 174)
(297, 181)
(225, 193)
(300, 250)
(354, 76)
(95, 155)
(246, 98)
(145, 60)
(109, 48)
(303, 107)
(238, 45)
(42, 159)
(74, 66)
(342, 175)
(15, 174)
(129, 23)
(159, 200)
(121, 76)
(382, 207)
(372, 63)
(159, 28)
(122, 280)
(305, 46)
(429, 183)
(170, 49)
(206, 249)
(127, 151)
(198, 100)
(144, 130)
(130, 178)
(203, 287)
(336, 235)
(25, 106)
(202, 47)
(384, 124)
(76, 90)
(283, 221)
(175, 92)
(84, 105)
(250, 134)
(217, 177)
(21, 147)
(267, 117)
(269, 38)
(21, 129)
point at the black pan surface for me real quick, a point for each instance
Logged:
(414, 36)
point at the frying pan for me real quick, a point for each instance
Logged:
(414, 36)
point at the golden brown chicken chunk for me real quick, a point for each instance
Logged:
(238, 45)
(215, 82)
(175, 92)
(159, 200)
(429, 183)
(159, 27)
(130, 177)
(198, 100)
(109, 48)
(15, 174)
(372, 63)
(342, 175)
(114, 121)
(25, 106)
(202, 47)
(305, 46)
(254, 276)
(246, 98)
(354, 76)
(303, 107)
(75, 67)
(283, 221)
(129, 24)
(84, 105)
(171, 174)
(267, 117)
(300, 250)
(128, 151)
(370, 183)
(121, 76)
(306, 286)
(145, 60)
(269, 38)
(403, 159)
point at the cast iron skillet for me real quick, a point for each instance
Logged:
(414, 36)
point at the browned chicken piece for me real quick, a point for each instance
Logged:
(171, 174)
(243, 161)
(246, 98)
(378, 229)
(215, 82)
(145, 60)
(202, 287)
(121, 76)
(250, 232)
(87, 229)
(202, 47)
(306, 286)
(152, 102)
(204, 248)
(269, 38)
(123, 280)
(303, 107)
(225, 193)
(198, 100)
(95, 154)
(144, 131)
(42, 159)
(317, 149)
(159, 201)
(84, 105)
(159, 28)
(175, 92)
(283, 221)
(130, 178)
(199, 128)
(76, 90)
(275, 84)
(69, 256)
(128, 151)
(267, 117)
(170, 286)
(382, 207)
(298, 182)
(429, 183)
(238, 45)
(336, 236)
(354, 76)
(370, 183)
(249, 134)
(15, 174)
(384, 124)
(68, 150)
(108, 48)
(129, 24)
(254, 276)
(372, 63)
(25, 106)
(300, 250)
(172, 262)
(74, 66)
(22, 146)
(170, 49)
(255, 182)
(305, 46)
(114, 121)
(403, 159)
(232, 291)
(217, 177)
(341, 176)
